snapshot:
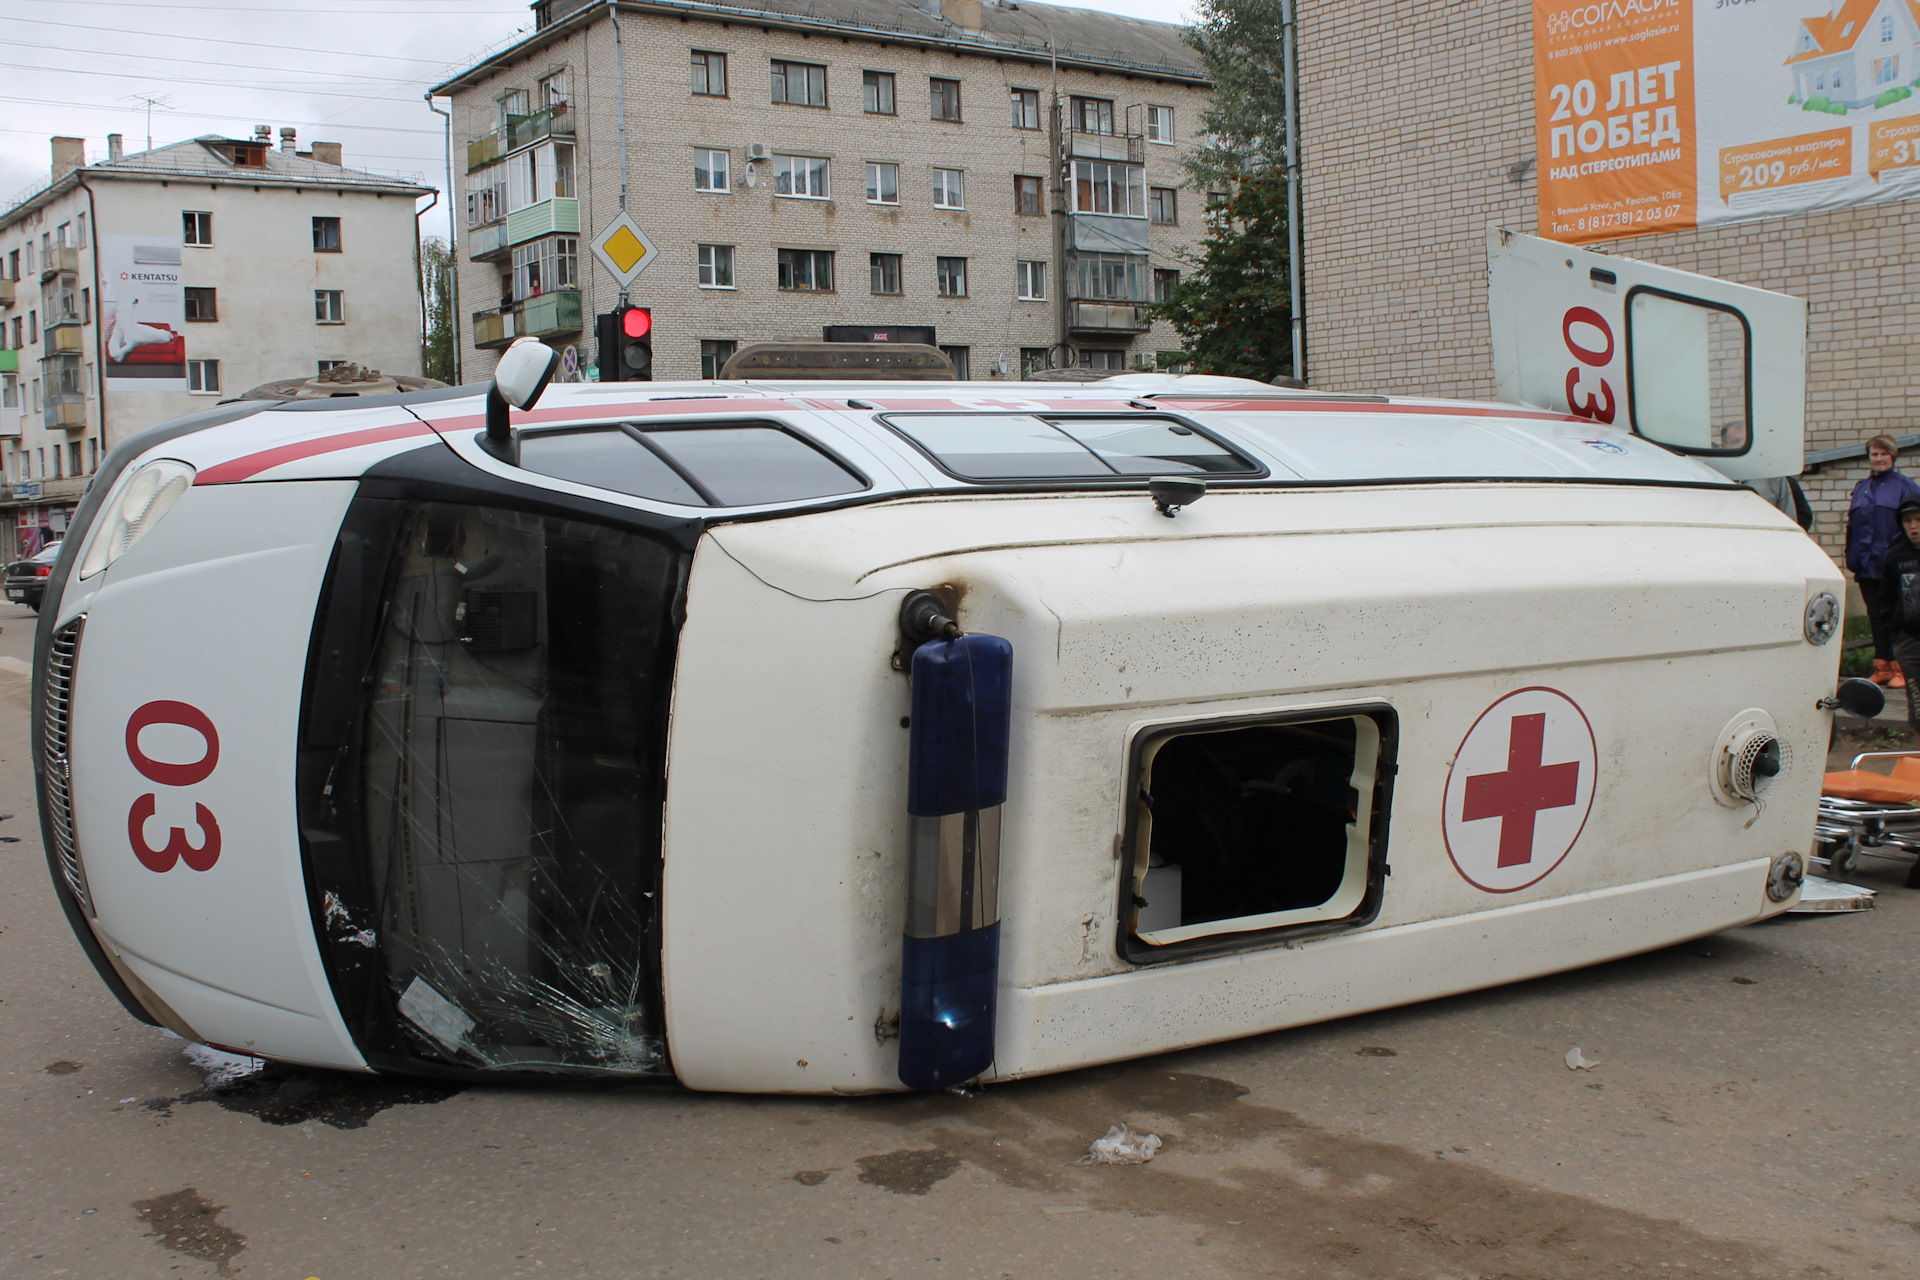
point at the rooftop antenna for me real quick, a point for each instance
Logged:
(164, 101)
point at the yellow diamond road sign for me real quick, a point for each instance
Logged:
(623, 248)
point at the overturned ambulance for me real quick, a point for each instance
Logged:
(809, 737)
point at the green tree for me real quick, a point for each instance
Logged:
(1231, 312)
(436, 287)
(1239, 42)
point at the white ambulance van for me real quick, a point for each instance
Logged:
(845, 737)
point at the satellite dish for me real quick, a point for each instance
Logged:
(752, 178)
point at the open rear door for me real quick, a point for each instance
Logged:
(1701, 366)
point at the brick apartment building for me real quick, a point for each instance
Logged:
(1002, 181)
(1417, 132)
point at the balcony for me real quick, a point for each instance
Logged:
(549, 315)
(65, 413)
(9, 362)
(555, 121)
(61, 261)
(61, 337)
(7, 288)
(1107, 317)
(1129, 148)
(487, 243)
(558, 216)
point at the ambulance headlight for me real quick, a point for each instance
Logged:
(141, 505)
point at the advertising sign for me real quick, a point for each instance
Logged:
(144, 309)
(1659, 115)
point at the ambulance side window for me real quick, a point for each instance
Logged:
(1689, 373)
(606, 459)
(1250, 831)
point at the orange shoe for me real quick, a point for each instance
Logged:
(1883, 671)
(1899, 680)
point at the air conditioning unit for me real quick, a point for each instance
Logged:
(756, 151)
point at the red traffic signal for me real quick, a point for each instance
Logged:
(636, 322)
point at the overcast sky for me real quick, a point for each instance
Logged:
(349, 71)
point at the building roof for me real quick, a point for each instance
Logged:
(1077, 37)
(209, 158)
(1842, 27)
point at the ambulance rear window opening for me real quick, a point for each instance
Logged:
(1253, 828)
(1018, 446)
(721, 464)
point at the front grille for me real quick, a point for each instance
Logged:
(61, 660)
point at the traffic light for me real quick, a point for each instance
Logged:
(626, 345)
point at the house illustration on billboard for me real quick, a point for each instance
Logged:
(1860, 52)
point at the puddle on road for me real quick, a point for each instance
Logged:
(187, 1222)
(908, 1173)
(1297, 1200)
(288, 1095)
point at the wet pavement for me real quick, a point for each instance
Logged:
(1751, 1114)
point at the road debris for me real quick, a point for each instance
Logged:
(1122, 1146)
(1578, 1061)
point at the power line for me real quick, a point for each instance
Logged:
(257, 11)
(204, 62)
(216, 84)
(196, 115)
(246, 44)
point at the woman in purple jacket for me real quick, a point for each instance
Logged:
(1871, 529)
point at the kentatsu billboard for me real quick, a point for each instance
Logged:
(1658, 115)
(144, 309)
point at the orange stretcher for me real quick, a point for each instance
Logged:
(1867, 813)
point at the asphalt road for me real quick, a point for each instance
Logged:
(1753, 1114)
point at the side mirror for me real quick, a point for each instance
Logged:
(1862, 698)
(522, 374)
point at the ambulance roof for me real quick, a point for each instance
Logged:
(755, 446)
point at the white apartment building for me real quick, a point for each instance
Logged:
(1002, 181)
(146, 286)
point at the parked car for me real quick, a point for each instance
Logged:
(27, 579)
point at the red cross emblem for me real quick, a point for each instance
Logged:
(1519, 789)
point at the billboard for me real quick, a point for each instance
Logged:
(1660, 115)
(144, 310)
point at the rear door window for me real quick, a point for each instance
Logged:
(607, 459)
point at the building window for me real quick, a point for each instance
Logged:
(806, 270)
(710, 172)
(9, 391)
(883, 183)
(876, 91)
(1032, 361)
(199, 232)
(710, 74)
(1163, 206)
(945, 95)
(93, 453)
(948, 189)
(1165, 281)
(486, 195)
(1099, 187)
(1026, 108)
(13, 265)
(801, 83)
(81, 223)
(714, 354)
(1116, 277)
(326, 307)
(330, 364)
(63, 234)
(1170, 361)
(1031, 281)
(1160, 125)
(541, 266)
(803, 177)
(1103, 359)
(1026, 196)
(962, 369)
(33, 326)
(716, 266)
(1886, 30)
(553, 90)
(884, 268)
(539, 174)
(203, 376)
(326, 235)
(1092, 115)
(201, 304)
(951, 273)
(86, 306)
(510, 104)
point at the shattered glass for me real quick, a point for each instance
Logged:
(512, 783)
